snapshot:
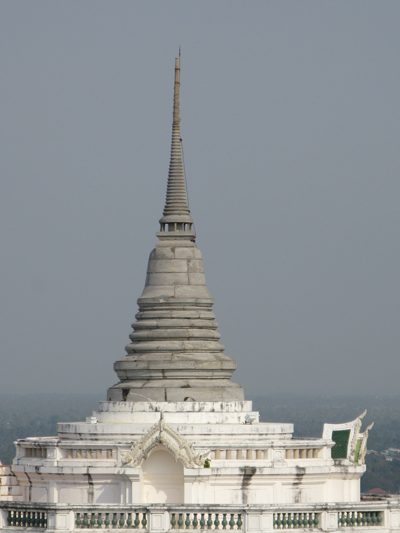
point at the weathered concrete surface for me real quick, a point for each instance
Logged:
(175, 352)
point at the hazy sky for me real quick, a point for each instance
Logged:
(291, 128)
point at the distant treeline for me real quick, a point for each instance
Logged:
(38, 414)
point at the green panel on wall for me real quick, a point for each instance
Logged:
(341, 440)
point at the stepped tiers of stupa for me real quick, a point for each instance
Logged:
(176, 445)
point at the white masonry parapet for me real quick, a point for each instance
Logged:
(377, 517)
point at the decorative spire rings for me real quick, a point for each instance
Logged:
(176, 222)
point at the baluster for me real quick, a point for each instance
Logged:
(136, 522)
(239, 522)
(232, 521)
(114, 520)
(144, 520)
(216, 521)
(99, 520)
(202, 521)
(187, 521)
(129, 520)
(195, 522)
(173, 520)
(209, 521)
(180, 521)
(107, 521)
(121, 521)
(224, 521)
(92, 520)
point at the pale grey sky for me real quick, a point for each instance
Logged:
(291, 124)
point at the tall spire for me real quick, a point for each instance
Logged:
(175, 353)
(176, 222)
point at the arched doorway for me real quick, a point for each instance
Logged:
(162, 480)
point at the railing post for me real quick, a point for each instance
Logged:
(258, 522)
(159, 521)
(329, 520)
(3, 518)
(392, 518)
(61, 519)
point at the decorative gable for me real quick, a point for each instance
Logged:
(163, 434)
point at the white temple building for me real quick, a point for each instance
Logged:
(176, 445)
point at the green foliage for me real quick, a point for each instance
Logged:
(357, 450)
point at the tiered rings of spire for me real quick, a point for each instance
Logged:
(175, 352)
(176, 221)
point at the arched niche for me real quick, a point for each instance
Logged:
(162, 478)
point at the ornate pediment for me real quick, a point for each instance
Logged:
(350, 441)
(162, 434)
